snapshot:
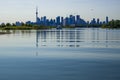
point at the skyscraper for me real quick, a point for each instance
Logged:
(107, 20)
(62, 20)
(93, 21)
(98, 21)
(77, 20)
(58, 20)
(77, 17)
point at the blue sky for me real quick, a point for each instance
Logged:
(24, 10)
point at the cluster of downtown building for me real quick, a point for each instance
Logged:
(67, 21)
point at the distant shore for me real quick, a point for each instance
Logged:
(41, 28)
(25, 28)
(50, 27)
(31, 28)
(113, 24)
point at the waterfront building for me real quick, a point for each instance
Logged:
(28, 22)
(104, 22)
(58, 20)
(71, 20)
(66, 21)
(62, 20)
(77, 19)
(44, 20)
(18, 23)
(93, 21)
(107, 20)
(98, 21)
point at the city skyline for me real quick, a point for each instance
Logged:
(72, 20)
(16, 10)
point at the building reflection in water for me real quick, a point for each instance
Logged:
(37, 41)
(84, 38)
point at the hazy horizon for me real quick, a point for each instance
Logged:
(24, 10)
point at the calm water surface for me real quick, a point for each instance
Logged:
(67, 54)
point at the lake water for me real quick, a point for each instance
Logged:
(67, 54)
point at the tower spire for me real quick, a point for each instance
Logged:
(36, 13)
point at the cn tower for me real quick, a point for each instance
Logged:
(36, 14)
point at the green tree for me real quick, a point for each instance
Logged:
(112, 24)
(13, 24)
(3, 25)
(8, 24)
(22, 23)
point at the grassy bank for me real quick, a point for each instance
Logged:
(47, 27)
(25, 27)
(31, 28)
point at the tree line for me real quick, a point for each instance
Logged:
(112, 24)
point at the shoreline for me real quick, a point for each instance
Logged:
(41, 28)
(4, 33)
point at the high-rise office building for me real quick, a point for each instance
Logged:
(66, 21)
(98, 21)
(77, 17)
(77, 20)
(70, 19)
(62, 20)
(58, 20)
(93, 21)
(107, 20)
(44, 20)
